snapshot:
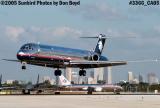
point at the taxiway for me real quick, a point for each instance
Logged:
(80, 101)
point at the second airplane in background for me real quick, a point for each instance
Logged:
(63, 82)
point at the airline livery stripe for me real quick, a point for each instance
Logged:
(48, 57)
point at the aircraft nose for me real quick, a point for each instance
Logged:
(20, 55)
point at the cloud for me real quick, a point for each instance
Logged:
(14, 32)
(39, 34)
(98, 11)
(62, 31)
(57, 34)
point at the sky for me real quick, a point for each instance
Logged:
(63, 25)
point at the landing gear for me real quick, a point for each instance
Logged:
(57, 72)
(24, 65)
(26, 91)
(82, 72)
(115, 91)
(90, 90)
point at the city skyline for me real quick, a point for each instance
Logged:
(64, 25)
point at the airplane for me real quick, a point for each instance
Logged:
(5, 87)
(32, 87)
(63, 82)
(62, 57)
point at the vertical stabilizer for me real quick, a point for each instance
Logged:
(100, 44)
(63, 81)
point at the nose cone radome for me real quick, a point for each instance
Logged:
(20, 55)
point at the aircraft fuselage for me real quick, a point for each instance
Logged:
(53, 56)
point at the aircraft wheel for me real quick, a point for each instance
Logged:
(82, 73)
(57, 72)
(25, 91)
(23, 67)
(90, 90)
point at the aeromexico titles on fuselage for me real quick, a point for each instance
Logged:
(54, 56)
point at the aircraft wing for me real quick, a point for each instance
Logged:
(11, 60)
(94, 64)
(80, 64)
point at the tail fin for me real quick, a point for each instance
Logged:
(100, 44)
(63, 81)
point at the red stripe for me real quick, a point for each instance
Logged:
(48, 57)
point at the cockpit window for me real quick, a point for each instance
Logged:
(27, 47)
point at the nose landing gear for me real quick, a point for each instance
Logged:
(23, 65)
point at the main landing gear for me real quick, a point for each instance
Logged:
(57, 72)
(82, 72)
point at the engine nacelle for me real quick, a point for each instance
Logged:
(92, 57)
(95, 57)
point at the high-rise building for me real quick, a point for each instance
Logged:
(92, 74)
(75, 77)
(68, 74)
(152, 79)
(130, 77)
(140, 78)
(98, 74)
(107, 76)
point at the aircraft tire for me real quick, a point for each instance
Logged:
(82, 73)
(23, 67)
(26, 91)
(57, 72)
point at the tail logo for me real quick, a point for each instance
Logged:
(64, 81)
(100, 45)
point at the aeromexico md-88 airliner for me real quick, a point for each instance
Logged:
(61, 57)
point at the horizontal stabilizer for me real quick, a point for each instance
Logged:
(99, 36)
(145, 60)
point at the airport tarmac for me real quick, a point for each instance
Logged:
(80, 101)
